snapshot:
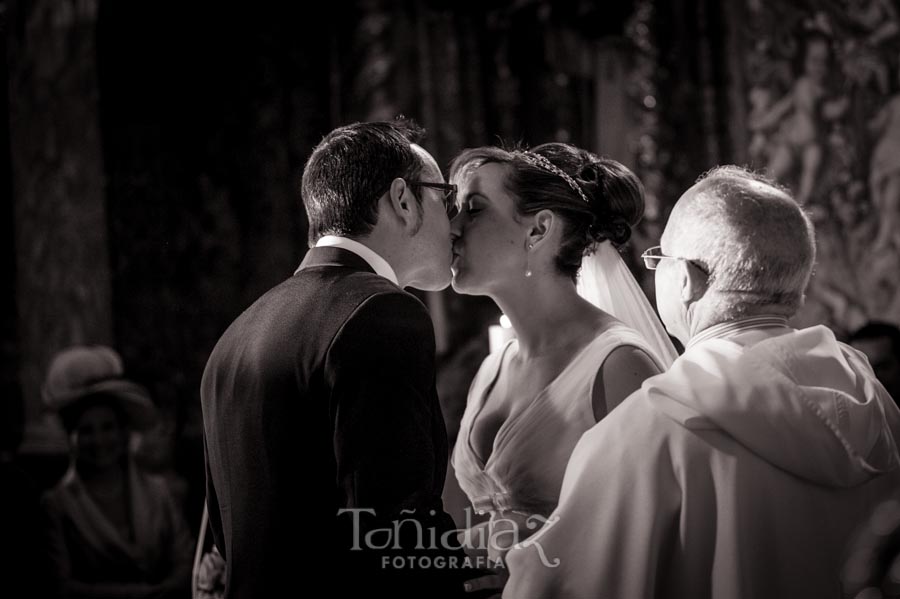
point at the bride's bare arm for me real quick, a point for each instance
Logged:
(620, 375)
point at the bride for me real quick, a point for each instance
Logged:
(528, 221)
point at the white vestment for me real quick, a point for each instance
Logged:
(739, 473)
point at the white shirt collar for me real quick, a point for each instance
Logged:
(378, 264)
(730, 329)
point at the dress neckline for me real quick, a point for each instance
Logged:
(508, 422)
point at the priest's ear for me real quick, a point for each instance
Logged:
(693, 279)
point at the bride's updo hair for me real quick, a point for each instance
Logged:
(598, 199)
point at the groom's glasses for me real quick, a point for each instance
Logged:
(449, 195)
(653, 255)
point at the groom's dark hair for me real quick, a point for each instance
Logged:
(350, 169)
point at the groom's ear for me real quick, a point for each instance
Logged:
(403, 205)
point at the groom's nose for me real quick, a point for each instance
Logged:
(456, 225)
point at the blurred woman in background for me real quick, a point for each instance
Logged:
(114, 530)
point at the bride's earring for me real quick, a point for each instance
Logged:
(528, 268)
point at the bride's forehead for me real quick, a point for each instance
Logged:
(488, 178)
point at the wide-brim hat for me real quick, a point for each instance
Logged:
(81, 372)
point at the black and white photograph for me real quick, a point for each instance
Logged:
(467, 299)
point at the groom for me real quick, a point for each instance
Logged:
(325, 445)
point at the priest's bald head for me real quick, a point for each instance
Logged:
(740, 247)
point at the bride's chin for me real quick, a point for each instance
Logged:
(458, 283)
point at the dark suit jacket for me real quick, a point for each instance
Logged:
(321, 397)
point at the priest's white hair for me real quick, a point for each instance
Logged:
(751, 236)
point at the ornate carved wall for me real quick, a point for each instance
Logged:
(822, 106)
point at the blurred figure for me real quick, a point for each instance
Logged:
(114, 530)
(802, 113)
(884, 174)
(880, 341)
(872, 568)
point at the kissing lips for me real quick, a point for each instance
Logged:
(453, 262)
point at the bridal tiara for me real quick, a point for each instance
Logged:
(543, 163)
